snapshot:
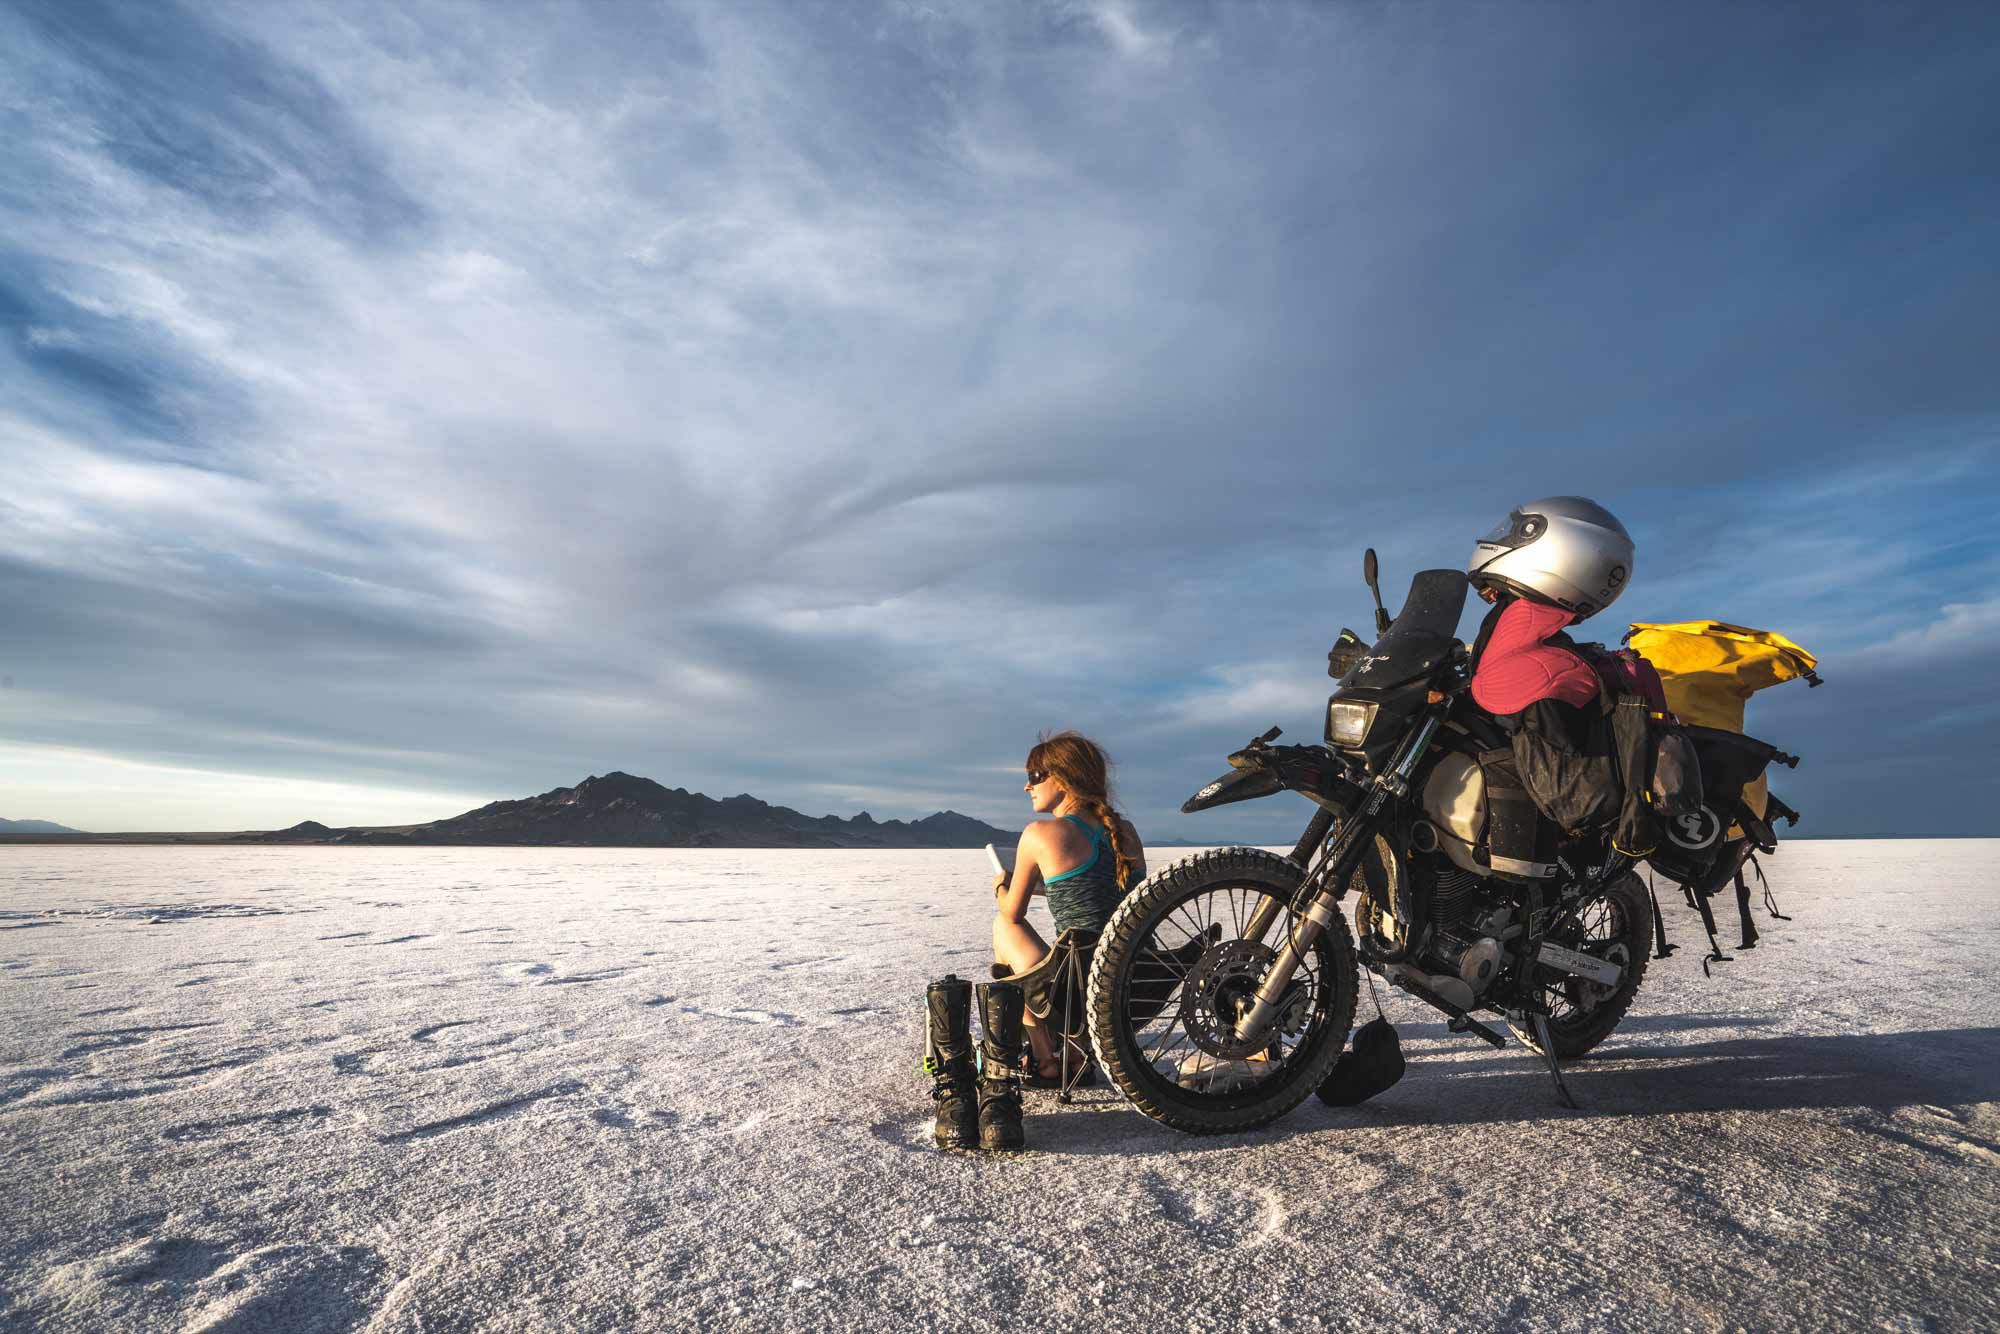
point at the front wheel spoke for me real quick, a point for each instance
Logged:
(1194, 932)
(1171, 1034)
(1172, 1005)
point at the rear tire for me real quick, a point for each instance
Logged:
(1617, 926)
(1173, 909)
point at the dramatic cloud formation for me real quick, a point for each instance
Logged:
(412, 405)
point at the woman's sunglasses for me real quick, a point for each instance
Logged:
(1036, 778)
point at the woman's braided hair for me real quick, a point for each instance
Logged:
(1083, 769)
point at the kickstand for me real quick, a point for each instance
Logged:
(1548, 1046)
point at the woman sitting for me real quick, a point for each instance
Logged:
(1084, 861)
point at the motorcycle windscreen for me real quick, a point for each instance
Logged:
(1420, 638)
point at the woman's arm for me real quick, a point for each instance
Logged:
(1130, 837)
(1027, 882)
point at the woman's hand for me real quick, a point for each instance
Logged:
(999, 883)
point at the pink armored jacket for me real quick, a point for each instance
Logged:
(1517, 667)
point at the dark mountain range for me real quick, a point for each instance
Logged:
(35, 827)
(622, 810)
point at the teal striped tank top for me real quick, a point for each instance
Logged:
(1085, 897)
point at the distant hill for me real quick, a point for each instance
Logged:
(623, 810)
(35, 827)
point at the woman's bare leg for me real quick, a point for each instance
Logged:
(1016, 945)
(1018, 949)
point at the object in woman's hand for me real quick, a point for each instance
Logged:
(999, 865)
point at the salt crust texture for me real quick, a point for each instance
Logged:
(316, 1089)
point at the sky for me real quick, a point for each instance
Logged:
(407, 406)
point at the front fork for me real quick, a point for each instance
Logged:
(1268, 907)
(1328, 880)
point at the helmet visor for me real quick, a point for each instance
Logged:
(1516, 530)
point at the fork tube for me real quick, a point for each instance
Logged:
(1266, 912)
(1315, 835)
(1302, 936)
(1353, 842)
(1268, 906)
(1300, 939)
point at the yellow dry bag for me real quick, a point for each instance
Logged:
(1709, 668)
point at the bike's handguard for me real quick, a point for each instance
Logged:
(1260, 769)
(1236, 785)
(1347, 651)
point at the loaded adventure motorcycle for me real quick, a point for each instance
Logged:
(1255, 1023)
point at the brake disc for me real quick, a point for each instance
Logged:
(1221, 987)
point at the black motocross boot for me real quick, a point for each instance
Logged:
(948, 1060)
(1000, 1005)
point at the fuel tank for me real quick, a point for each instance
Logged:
(1455, 801)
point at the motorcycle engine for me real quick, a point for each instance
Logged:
(1470, 924)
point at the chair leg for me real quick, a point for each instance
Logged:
(1062, 1037)
(1072, 995)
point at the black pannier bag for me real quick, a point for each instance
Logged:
(1565, 757)
(1677, 785)
(1621, 764)
(1693, 840)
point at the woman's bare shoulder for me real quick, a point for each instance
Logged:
(1039, 834)
(1056, 836)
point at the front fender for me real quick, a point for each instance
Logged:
(1236, 785)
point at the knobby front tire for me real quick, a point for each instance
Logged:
(1220, 887)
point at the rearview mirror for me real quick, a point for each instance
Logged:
(1368, 572)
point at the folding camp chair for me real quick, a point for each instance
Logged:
(1056, 988)
(1057, 991)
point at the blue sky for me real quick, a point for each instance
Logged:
(407, 406)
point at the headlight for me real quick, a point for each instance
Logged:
(1348, 721)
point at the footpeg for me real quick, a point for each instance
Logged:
(1460, 1021)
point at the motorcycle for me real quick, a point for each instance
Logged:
(1253, 1024)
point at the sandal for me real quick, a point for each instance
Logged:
(1082, 1075)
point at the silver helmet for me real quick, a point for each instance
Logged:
(1562, 549)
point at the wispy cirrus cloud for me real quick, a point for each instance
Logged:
(463, 398)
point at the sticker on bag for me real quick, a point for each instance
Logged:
(1694, 831)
